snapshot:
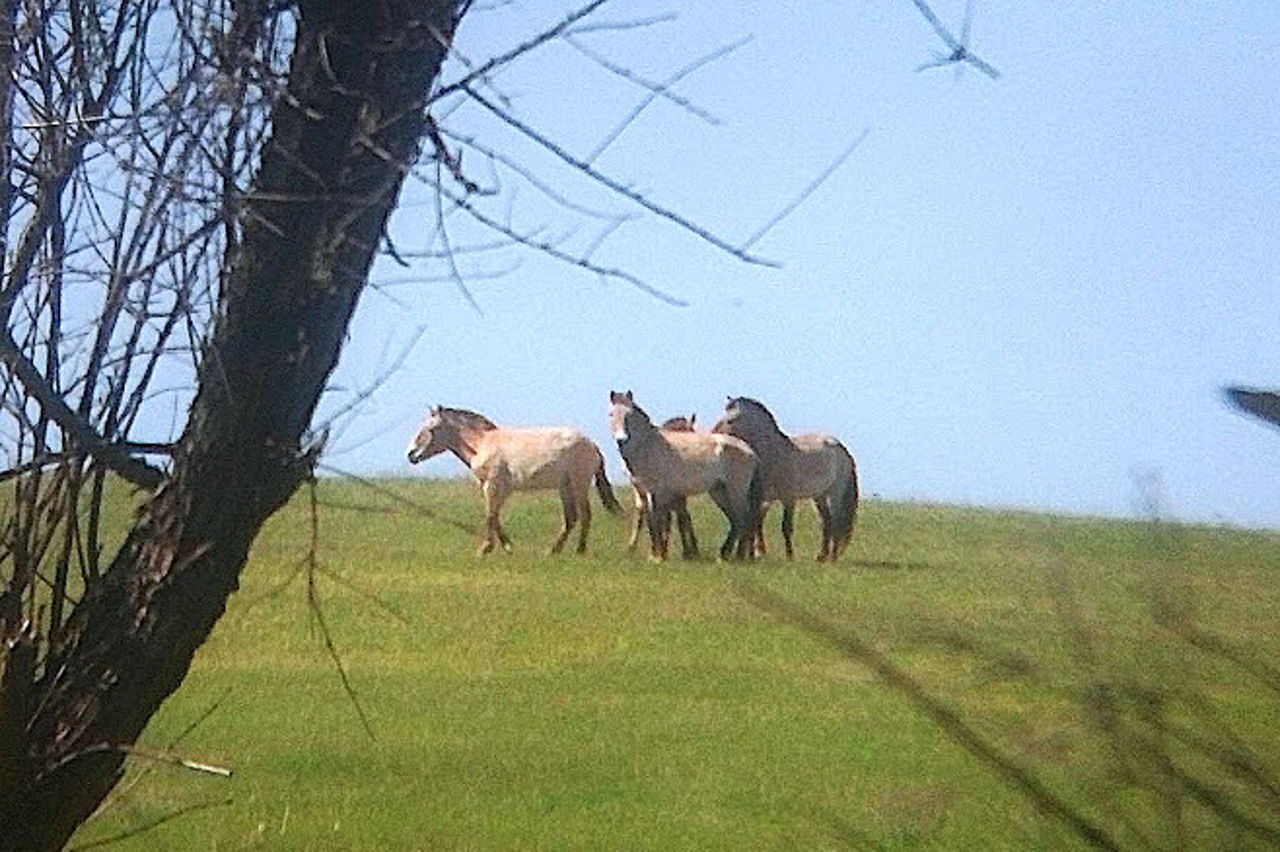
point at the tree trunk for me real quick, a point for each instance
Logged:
(343, 135)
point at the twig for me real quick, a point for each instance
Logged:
(153, 824)
(443, 229)
(399, 498)
(808, 190)
(616, 26)
(660, 89)
(946, 718)
(663, 88)
(617, 187)
(605, 272)
(316, 610)
(542, 38)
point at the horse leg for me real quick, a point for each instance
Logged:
(758, 533)
(659, 527)
(492, 503)
(569, 504)
(788, 526)
(737, 533)
(642, 514)
(824, 511)
(584, 518)
(688, 540)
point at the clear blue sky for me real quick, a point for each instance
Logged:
(1014, 293)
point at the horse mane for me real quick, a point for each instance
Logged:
(757, 407)
(461, 416)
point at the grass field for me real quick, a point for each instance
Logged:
(535, 702)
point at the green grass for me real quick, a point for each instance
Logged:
(535, 702)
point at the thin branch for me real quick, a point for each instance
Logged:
(946, 718)
(807, 191)
(87, 438)
(619, 26)
(538, 184)
(153, 824)
(452, 263)
(662, 90)
(605, 272)
(313, 603)
(402, 500)
(959, 48)
(540, 39)
(617, 187)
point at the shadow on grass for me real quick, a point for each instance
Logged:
(892, 565)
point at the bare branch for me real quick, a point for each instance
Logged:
(617, 187)
(317, 611)
(550, 250)
(662, 90)
(946, 718)
(959, 48)
(620, 26)
(112, 455)
(465, 84)
(807, 191)
(153, 824)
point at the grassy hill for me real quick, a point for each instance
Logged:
(1126, 670)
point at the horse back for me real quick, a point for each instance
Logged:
(820, 463)
(535, 457)
(693, 462)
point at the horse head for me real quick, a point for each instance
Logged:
(743, 413)
(430, 440)
(680, 423)
(626, 419)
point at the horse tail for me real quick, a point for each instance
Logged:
(755, 501)
(844, 514)
(606, 490)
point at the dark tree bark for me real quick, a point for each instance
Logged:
(343, 135)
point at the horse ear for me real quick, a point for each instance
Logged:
(629, 397)
(614, 397)
(693, 418)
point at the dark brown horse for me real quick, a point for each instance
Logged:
(672, 465)
(688, 540)
(812, 465)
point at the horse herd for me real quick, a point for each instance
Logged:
(745, 463)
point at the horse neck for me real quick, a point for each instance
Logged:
(767, 437)
(637, 440)
(463, 442)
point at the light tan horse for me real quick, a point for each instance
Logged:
(506, 459)
(672, 465)
(813, 465)
(688, 540)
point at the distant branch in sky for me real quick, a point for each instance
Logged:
(959, 48)
(807, 191)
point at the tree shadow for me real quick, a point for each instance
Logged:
(893, 565)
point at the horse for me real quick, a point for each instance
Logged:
(672, 465)
(812, 465)
(505, 460)
(688, 540)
